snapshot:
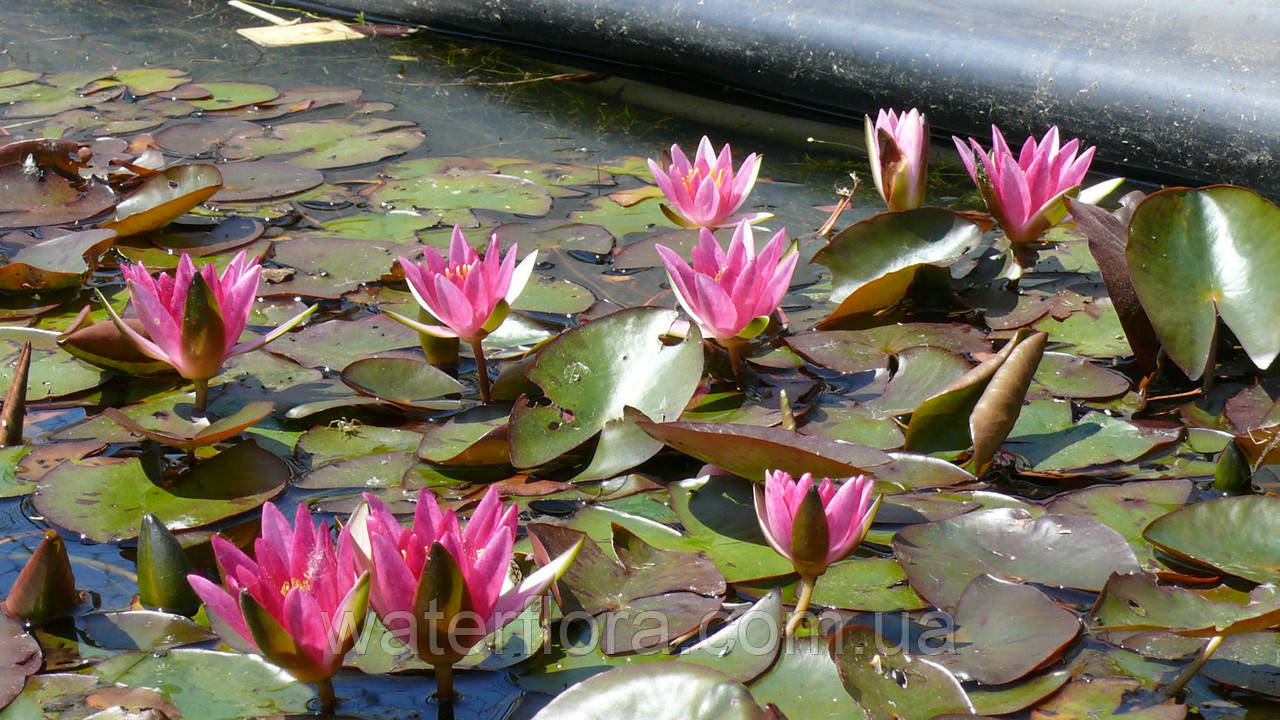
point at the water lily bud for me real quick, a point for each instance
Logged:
(810, 535)
(46, 588)
(204, 334)
(162, 570)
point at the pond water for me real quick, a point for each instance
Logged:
(482, 106)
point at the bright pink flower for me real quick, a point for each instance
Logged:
(899, 150)
(307, 600)
(706, 192)
(731, 295)
(469, 296)
(847, 512)
(194, 320)
(1025, 195)
(482, 551)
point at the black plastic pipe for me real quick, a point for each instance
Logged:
(1169, 90)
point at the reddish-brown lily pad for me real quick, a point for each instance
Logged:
(264, 179)
(164, 197)
(63, 260)
(31, 201)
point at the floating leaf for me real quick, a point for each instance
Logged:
(849, 351)
(874, 261)
(325, 144)
(1006, 631)
(1127, 508)
(942, 558)
(63, 260)
(19, 658)
(1101, 698)
(476, 436)
(264, 179)
(718, 517)
(104, 499)
(1139, 602)
(31, 200)
(891, 684)
(805, 683)
(872, 584)
(165, 197)
(53, 372)
(406, 382)
(1069, 376)
(1232, 534)
(590, 374)
(145, 81)
(466, 191)
(181, 430)
(1196, 254)
(232, 95)
(666, 691)
(685, 588)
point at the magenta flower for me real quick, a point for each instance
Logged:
(469, 296)
(731, 295)
(440, 588)
(193, 319)
(899, 148)
(1025, 194)
(706, 192)
(301, 603)
(813, 525)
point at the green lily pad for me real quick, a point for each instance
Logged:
(551, 295)
(475, 436)
(556, 234)
(39, 99)
(942, 558)
(53, 372)
(139, 630)
(1197, 254)
(922, 372)
(746, 646)
(1232, 534)
(400, 226)
(687, 692)
(591, 374)
(806, 684)
(468, 191)
(1248, 662)
(406, 382)
(164, 197)
(1107, 698)
(338, 343)
(63, 260)
(1069, 376)
(145, 81)
(841, 420)
(1006, 631)
(376, 470)
(873, 262)
(325, 144)
(719, 519)
(9, 78)
(179, 429)
(628, 593)
(210, 684)
(104, 499)
(1096, 439)
(990, 701)
(1139, 602)
(232, 95)
(873, 584)
(1096, 335)
(621, 221)
(263, 180)
(1127, 509)
(890, 684)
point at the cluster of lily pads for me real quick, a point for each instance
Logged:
(998, 462)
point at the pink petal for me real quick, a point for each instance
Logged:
(221, 604)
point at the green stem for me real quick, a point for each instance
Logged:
(328, 700)
(444, 682)
(482, 371)
(1191, 670)
(202, 395)
(803, 597)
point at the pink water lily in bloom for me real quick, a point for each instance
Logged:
(1024, 194)
(300, 603)
(898, 144)
(468, 295)
(706, 192)
(417, 569)
(841, 519)
(193, 319)
(730, 295)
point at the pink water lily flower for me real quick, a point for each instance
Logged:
(731, 295)
(813, 524)
(706, 192)
(1025, 194)
(846, 512)
(469, 296)
(898, 145)
(440, 587)
(300, 603)
(193, 319)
